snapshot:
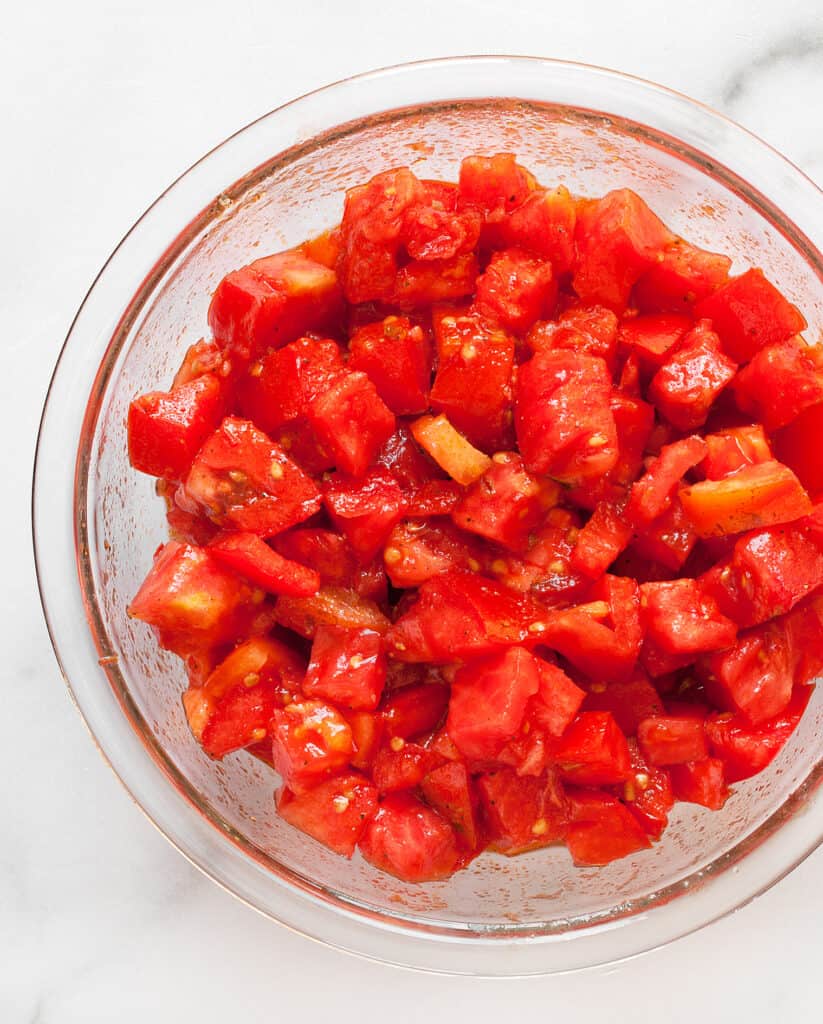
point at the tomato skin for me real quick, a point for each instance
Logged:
(602, 829)
(683, 277)
(765, 494)
(364, 510)
(410, 840)
(310, 741)
(749, 313)
(592, 751)
(336, 812)
(506, 503)
(522, 814)
(653, 339)
(780, 382)
(347, 666)
(755, 677)
(271, 302)
(244, 481)
(166, 429)
(488, 701)
(618, 238)
(563, 419)
(192, 602)
(653, 493)
(672, 739)
(515, 290)
(745, 749)
(248, 555)
(352, 421)
(689, 381)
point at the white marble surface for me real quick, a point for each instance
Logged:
(101, 105)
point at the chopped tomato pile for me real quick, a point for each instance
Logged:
(496, 522)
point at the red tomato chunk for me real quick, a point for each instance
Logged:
(495, 523)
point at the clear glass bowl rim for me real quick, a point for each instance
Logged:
(750, 868)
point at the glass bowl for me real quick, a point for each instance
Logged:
(96, 522)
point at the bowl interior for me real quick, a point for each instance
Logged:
(296, 195)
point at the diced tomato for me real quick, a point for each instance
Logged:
(422, 282)
(332, 606)
(310, 740)
(733, 449)
(167, 429)
(495, 184)
(234, 707)
(689, 381)
(770, 571)
(248, 555)
(459, 615)
(433, 229)
(602, 829)
(450, 791)
(684, 276)
(414, 710)
(804, 627)
(416, 551)
(373, 221)
(634, 420)
(187, 527)
(243, 480)
(506, 503)
(747, 749)
(396, 356)
(488, 701)
(601, 540)
(592, 751)
(450, 450)
(202, 357)
(472, 385)
(682, 618)
(271, 302)
(410, 840)
(192, 602)
(668, 540)
(781, 381)
(277, 389)
(653, 493)
(352, 421)
(553, 708)
(522, 813)
(583, 636)
(515, 290)
(563, 418)
(618, 238)
(402, 765)
(336, 812)
(749, 313)
(701, 782)
(409, 466)
(761, 495)
(588, 329)
(364, 510)
(628, 703)
(755, 676)
(648, 794)
(324, 551)
(797, 446)
(652, 339)
(544, 224)
(672, 739)
(367, 735)
(347, 667)
(324, 248)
